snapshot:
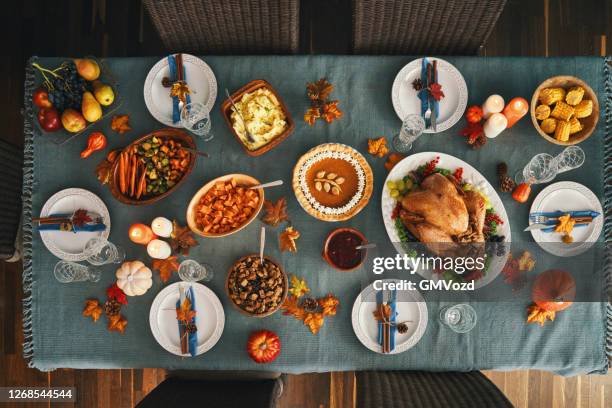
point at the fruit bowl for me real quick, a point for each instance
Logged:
(163, 134)
(194, 205)
(245, 270)
(589, 123)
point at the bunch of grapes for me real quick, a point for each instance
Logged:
(68, 87)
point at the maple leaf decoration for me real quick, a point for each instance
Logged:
(392, 160)
(80, 217)
(287, 239)
(329, 304)
(320, 106)
(314, 321)
(292, 307)
(275, 212)
(378, 147)
(331, 111)
(540, 316)
(115, 292)
(166, 267)
(184, 313)
(311, 115)
(104, 169)
(180, 90)
(92, 309)
(435, 90)
(121, 123)
(319, 90)
(526, 262)
(117, 323)
(298, 287)
(182, 239)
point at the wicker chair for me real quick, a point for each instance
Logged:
(10, 200)
(416, 27)
(403, 389)
(227, 26)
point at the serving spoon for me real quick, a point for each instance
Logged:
(269, 184)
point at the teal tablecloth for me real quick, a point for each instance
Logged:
(58, 336)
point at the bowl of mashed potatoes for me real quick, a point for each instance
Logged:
(265, 116)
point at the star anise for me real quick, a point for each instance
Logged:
(417, 84)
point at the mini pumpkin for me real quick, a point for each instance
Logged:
(554, 290)
(134, 278)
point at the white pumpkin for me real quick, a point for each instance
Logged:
(134, 278)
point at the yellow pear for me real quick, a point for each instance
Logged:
(87, 68)
(103, 93)
(91, 109)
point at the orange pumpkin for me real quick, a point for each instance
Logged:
(474, 114)
(554, 290)
(521, 192)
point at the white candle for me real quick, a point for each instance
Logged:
(493, 126)
(162, 227)
(159, 249)
(493, 104)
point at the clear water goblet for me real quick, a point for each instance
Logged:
(543, 167)
(459, 318)
(193, 271)
(412, 127)
(100, 251)
(195, 117)
(67, 272)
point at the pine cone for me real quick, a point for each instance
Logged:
(402, 328)
(310, 305)
(191, 328)
(506, 184)
(112, 307)
(502, 169)
(480, 141)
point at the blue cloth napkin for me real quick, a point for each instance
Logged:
(176, 113)
(192, 338)
(393, 317)
(75, 228)
(572, 214)
(424, 94)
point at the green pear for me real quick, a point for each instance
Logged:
(91, 109)
(103, 93)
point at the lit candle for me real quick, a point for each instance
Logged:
(141, 234)
(516, 109)
(493, 104)
(493, 126)
(159, 249)
(162, 227)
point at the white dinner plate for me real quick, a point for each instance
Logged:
(201, 81)
(406, 100)
(68, 245)
(210, 318)
(567, 196)
(470, 175)
(410, 306)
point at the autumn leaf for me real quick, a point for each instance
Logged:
(320, 90)
(311, 115)
(121, 123)
(115, 292)
(329, 304)
(314, 321)
(92, 309)
(80, 217)
(184, 313)
(166, 267)
(331, 111)
(392, 160)
(526, 262)
(435, 90)
(378, 147)
(386, 313)
(291, 307)
(104, 169)
(182, 239)
(180, 90)
(287, 238)
(298, 287)
(537, 315)
(117, 323)
(275, 212)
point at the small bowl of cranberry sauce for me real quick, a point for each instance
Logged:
(340, 249)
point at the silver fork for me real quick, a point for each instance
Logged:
(428, 116)
(542, 219)
(246, 129)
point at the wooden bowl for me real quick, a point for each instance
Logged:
(335, 232)
(242, 179)
(589, 123)
(226, 110)
(283, 296)
(165, 133)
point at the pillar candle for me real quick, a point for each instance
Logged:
(141, 234)
(159, 249)
(515, 110)
(162, 227)
(493, 126)
(493, 104)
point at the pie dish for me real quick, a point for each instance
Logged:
(332, 182)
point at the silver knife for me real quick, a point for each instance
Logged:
(246, 130)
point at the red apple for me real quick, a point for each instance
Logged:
(49, 119)
(263, 346)
(40, 98)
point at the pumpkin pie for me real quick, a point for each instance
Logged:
(332, 182)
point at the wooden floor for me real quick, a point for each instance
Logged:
(120, 28)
